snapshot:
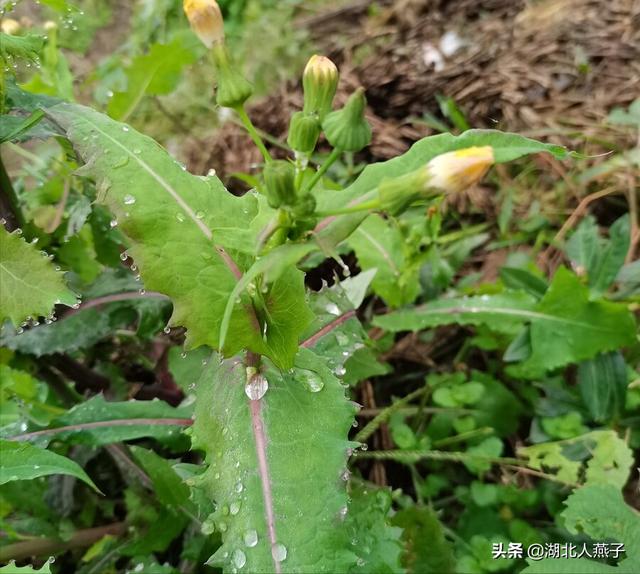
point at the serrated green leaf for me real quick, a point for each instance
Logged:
(602, 383)
(30, 284)
(23, 461)
(11, 568)
(600, 512)
(172, 219)
(97, 422)
(566, 326)
(569, 327)
(275, 468)
(152, 74)
(380, 245)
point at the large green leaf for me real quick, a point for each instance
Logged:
(566, 326)
(601, 513)
(30, 284)
(174, 220)
(276, 467)
(23, 461)
(154, 73)
(506, 147)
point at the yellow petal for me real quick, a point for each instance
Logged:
(206, 20)
(457, 170)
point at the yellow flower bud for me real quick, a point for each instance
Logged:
(206, 20)
(320, 81)
(457, 170)
(10, 26)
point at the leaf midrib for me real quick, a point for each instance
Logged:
(533, 315)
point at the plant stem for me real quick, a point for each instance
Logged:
(9, 206)
(384, 416)
(251, 130)
(48, 546)
(333, 156)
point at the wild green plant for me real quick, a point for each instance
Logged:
(272, 413)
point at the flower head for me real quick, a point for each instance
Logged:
(457, 170)
(320, 81)
(206, 20)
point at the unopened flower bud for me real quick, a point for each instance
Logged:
(319, 81)
(233, 89)
(279, 179)
(50, 25)
(457, 170)
(304, 130)
(206, 20)
(449, 172)
(10, 26)
(305, 206)
(347, 129)
(398, 193)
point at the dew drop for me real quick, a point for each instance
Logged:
(129, 199)
(179, 217)
(199, 214)
(234, 508)
(333, 309)
(250, 538)
(342, 513)
(125, 128)
(239, 558)
(137, 151)
(113, 223)
(167, 330)
(279, 552)
(312, 381)
(222, 526)
(256, 388)
(123, 256)
(239, 487)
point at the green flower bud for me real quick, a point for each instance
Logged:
(347, 129)
(304, 130)
(398, 193)
(279, 179)
(305, 206)
(319, 81)
(233, 89)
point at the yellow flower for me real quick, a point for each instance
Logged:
(457, 170)
(206, 20)
(10, 26)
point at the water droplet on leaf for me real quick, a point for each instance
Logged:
(256, 388)
(279, 552)
(250, 538)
